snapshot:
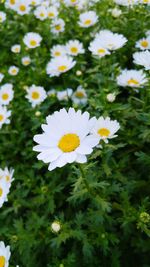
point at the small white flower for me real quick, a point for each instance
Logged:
(2, 16)
(56, 226)
(26, 61)
(109, 40)
(59, 65)
(79, 96)
(146, 2)
(32, 39)
(57, 26)
(40, 13)
(66, 138)
(58, 51)
(64, 95)
(88, 19)
(142, 58)
(11, 4)
(1, 77)
(16, 48)
(74, 48)
(116, 12)
(52, 12)
(4, 116)
(98, 49)
(6, 94)
(132, 78)
(35, 2)
(22, 7)
(111, 97)
(105, 128)
(7, 175)
(36, 95)
(13, 70)
(4, 255)
(143, 43)
(127, 2)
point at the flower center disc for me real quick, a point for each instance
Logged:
(2, 261)
(103, 132)
(5, 96)
(74, 49)
(1, 117)
(33, 43)
(22, 8)
(62, 68)
(144, 43)
(79, 94)
(133, 82)
(101, 51)
(87, 22)
(1, 192)
(35, 95)
(69, 142)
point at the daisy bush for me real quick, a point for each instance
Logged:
(74, 133)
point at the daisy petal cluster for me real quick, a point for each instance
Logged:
(142, 59)
(59, 65)
(4, 254)
(132, 78)
(36, 95)
(6, 178)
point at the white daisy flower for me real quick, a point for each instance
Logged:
(79, 96)
(40, 13)
(143, 43)
(142, 58)
(58, 51)
(132, 78)
(66, 138)
(146, 2)
(7, 175)
(4, 190)
(36, 95)
(6, 94)
(74, 48)
(72, 2)
(4, 255)
(4, 116)
(32, 39)
(59, 65)
(1, 77)
(98, 49)
(57, 26)
(109, 40)
(16, 48)
(51, 92)
(56, 226)
(64, 95)
(2, 16)
(22, 7)
(11, 4)
(88, 19)
(52, 12)
(26, 61)
(105, 128)
(13, 70)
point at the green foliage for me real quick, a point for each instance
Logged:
(101, 224)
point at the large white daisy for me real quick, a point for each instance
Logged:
(66, 138)
(132, 78)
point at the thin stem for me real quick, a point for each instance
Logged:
(84, 179)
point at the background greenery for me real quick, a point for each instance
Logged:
(101, 229)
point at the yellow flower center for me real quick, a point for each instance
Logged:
(1, 192)
(79, 94)
(133, 82)
(5, 96)
(7, 178)
(42, 14)
(2, 261)
(22, 8)
(16, 49)
(58, 27)
(74, 49)
(33, 43)
(144, 43)
(0, 18)
(1, 117)
(101, 51)
(35, 95)
(57, 54)
(69, 142)
(26, 62)
(51, 14)
(103, 132)
(12, 2)
(62, 68)
(14, 71)
(73, 1)
(87, 22)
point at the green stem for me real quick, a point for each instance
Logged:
(84, 179)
